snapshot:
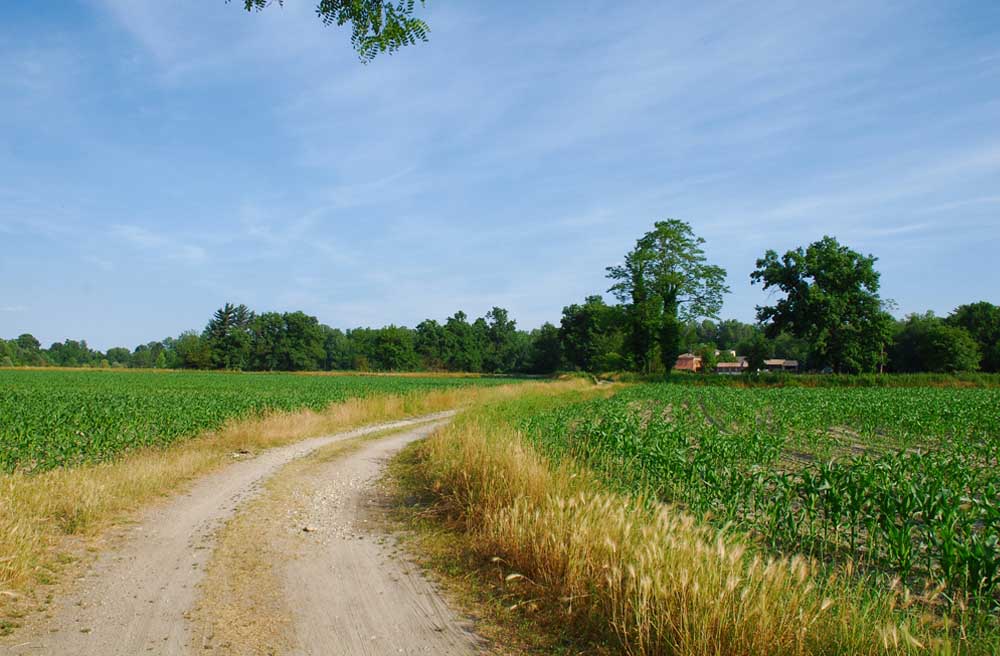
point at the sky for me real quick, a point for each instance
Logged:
(158, 159)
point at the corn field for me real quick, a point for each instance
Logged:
(903, 482)
(57, 418)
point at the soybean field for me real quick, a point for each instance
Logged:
(900, 482)
(57, 418)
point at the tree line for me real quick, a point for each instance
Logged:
(236, 338)
(827, 315)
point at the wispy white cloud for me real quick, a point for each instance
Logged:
(156, 243)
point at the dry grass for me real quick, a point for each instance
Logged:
(45, 516)
(641, 577)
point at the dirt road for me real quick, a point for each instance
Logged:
(344, 595)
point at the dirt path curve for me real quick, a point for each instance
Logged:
(135, 600)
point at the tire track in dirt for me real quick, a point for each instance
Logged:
(136, 599)
(308, 569)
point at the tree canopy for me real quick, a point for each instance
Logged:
(831, 299)
(982, 321)
(924, 342)
(664, 281)
(377, 26)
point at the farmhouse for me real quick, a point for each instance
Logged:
(778, 364)
(732, 368)
(688, 362)
(693, 363)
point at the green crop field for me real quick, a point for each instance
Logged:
(55, 418)
(903, 482)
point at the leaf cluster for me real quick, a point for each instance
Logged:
(377, 26)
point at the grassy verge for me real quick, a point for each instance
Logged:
(614, 572)
(782, 379)
(48, 520)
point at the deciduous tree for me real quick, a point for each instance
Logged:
(591, 336)
(831, 299)
(546, 350)
(664, 281)
(982, 321)
(924, 342)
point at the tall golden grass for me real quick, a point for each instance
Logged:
(42, 516)
(643, 577)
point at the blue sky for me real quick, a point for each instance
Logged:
(160, 158)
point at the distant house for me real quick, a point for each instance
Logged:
(732, 368)
(777, 364)
(688, 362)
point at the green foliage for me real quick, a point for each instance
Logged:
(191, 352)
(228, 336)
(665, 280)
(377, 26)
(463, 344)
(389, 349)
(72, 353)
(982, 321)
(591, 336)
(927, 343)
(430, 343)
(709, 359)
(58, 418)
(28, 344)
(756, 352)
(300, 347)
(901, 481)
(831, 300)
(502, 345)
(546, 350)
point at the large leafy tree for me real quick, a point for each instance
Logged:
(502, 352)
(192, 351)
(301, 345)
(392, 349)
(266, 333)
(830, 299)
(463, 344)
(146, 356)
(924, 342)
(664, 282)
(377, 26)
(430, 343)
(546, 350)
(982, 321)
(591, 335)
(339, 349)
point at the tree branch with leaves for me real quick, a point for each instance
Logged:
(377, 26)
